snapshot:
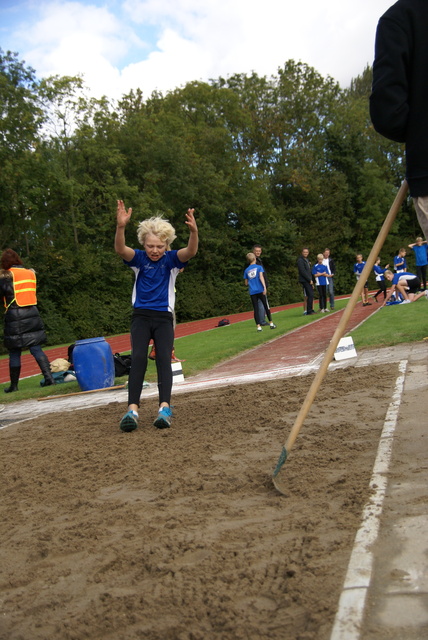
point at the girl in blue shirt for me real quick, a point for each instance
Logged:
(380, 279)
(322, 275)
(153, 299)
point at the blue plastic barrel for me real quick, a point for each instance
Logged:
(93, 363)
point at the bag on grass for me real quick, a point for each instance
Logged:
(223, 323)
(122, 365)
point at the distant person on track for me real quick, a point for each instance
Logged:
(380, 279)
(23, 326)
(254, 280)
(257, 250)
(322, 276)
(399, 98)
(406, 284)
(358, 269)
(329, 263)
(421, 257)
(153, 299)
(305, 279)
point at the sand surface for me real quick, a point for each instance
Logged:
(180, 534)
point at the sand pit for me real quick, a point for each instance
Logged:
(179, 534)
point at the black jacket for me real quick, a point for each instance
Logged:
(399, 99)
(304, 269)
(23, 326)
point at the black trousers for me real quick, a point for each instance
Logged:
(382, 289)
(322, 292)
(421, 272)
(309, 293)
(146, 325)
(255, 297)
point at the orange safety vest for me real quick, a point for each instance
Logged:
(24, 287)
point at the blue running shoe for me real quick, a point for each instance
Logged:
(163, 421)
(129, 421)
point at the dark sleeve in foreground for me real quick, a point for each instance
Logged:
(389, 101)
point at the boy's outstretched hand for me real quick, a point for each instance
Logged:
(122, 216)
(190, 220)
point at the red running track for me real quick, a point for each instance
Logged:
(122, 343)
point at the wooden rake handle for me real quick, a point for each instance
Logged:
(383, 233)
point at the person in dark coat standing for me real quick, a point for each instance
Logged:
(23, 326)
(305, 279)
(399, 98)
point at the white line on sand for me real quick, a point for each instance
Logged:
(347, 624)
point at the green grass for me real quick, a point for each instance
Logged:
(393, 325)
(390, 326)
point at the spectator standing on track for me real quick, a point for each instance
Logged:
(23, 326)
(321, 274)
(153, 298)
(358, 269)
(420, 250)
(305, 279)
(257, 250)
(329, 263)
(399, 99)
(254, 279)
(380, 279)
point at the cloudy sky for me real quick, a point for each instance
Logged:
(162, 44)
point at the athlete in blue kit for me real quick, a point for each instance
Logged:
(380, 279)
(254, 279)
(406, 283)
(153, 299)
(358, 270)
(322, 275)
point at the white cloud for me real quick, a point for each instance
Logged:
(196, 39)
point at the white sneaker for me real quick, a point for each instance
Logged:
(406, 302)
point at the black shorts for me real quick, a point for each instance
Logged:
(413, 285)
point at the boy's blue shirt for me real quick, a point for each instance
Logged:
(252, 274)
(155, 280)
(320, 268)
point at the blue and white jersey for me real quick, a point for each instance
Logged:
(154, 280)
(379, 273)
(320, 268)
(252, 274)
(358, 268)
(405, 275)
(400, 264)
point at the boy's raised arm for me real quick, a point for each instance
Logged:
(192, 246)
(122, 219)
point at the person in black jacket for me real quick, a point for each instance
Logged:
(305, 279)
(23, 326)
(399, 98)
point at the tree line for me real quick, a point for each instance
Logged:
(287, 161)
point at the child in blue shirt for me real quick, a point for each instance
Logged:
(380, 279)
(358, 269)
(420, 250)
(254, 279)
(153, 299)
(321, 273)
(400, 263)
